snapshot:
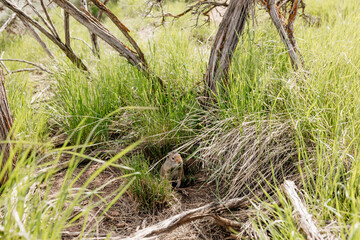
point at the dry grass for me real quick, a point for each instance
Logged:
(245, 157)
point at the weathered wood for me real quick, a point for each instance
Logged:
(291, 31)
(5, 126)
(99, 16)
(225, 43)
(280, 25)
(168, 225)
(46, 23)
(39, 66)
(26, 18)
(97, 28)
(95, 45)
(38, 38)
(305, 220)
(121, 27)
(32, 32)
(49, 19)
(67, 29)
(8, 22)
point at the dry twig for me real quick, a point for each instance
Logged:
(38, 66)
(7, 22)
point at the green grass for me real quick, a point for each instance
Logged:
(152, 192)
(322, 108)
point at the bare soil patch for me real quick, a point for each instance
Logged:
(126, 216)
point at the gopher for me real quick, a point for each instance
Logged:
(172, 169)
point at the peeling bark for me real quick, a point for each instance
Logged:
(225, 43)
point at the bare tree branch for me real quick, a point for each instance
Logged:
(26, 18)
(52, 30)
(67, 29)
(42, 68)
(8, 22)
(96, 27)
(38, 38)
(201, 7)
(24, 70)
(99, 16)
(6, 122)
(3, 64)
(122, 28)
(290, 28)
(49, 19)
(83, 41)
(285, 30)
(94, 41)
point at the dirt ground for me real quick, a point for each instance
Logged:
(126, 217)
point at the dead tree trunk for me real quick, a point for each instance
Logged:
(226, 40)
(5, 125)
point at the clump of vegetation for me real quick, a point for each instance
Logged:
(152, 192)
(268, 123)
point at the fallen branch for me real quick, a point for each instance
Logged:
(83, 41)
(3, 64)
(67, 29)
(304, 218)
(23, 70)
(32, 31)
(168, 225)
(49, 25)
(42, 68)
(49, 19)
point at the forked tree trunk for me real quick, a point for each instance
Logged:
(5, 125)
(226, 40)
